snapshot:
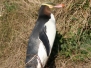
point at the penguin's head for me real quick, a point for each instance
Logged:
(50, 5)
(45, 8)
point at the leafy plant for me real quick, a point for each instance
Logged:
(78, 45)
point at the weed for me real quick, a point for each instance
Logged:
(78, 45)
(86, 5)
(10, 6)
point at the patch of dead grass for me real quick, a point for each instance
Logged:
(22, 20)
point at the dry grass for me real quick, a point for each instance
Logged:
(17, 21)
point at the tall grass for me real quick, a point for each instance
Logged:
(73, 37)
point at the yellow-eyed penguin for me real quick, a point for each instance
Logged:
(42, 37)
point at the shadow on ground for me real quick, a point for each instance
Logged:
(54, 53)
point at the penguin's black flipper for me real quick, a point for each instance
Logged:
(43, 37)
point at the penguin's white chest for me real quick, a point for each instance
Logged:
(50, 32)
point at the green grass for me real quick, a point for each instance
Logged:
(10, 6)
(79, 45)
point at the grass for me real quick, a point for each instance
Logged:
(77, 45)
(5, 31)
(72, 44)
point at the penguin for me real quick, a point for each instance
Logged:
(42, 37)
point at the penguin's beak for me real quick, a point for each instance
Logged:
(59, 6)
(51, 5)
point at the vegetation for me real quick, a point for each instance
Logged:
(72, 46)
